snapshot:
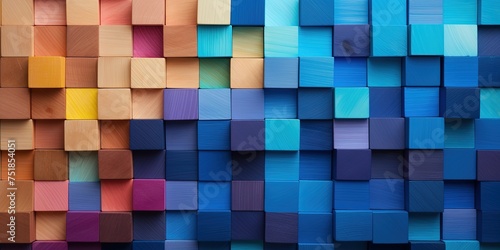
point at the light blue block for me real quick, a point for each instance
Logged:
(282, 166)
(424, 226)
(210, 200)
(389, 40)
(490, 106)
(282, 134)
(214, 104)
(316, 72)
(425, 133)
(247, 104)
(384, 72)
(350, 12)
(488, 12)
(352, 103)
(280, 103)
(314, 226)
(83, 166)
(281, 41)
(247, 245)
(460, 40)
(461, 244)
(460, 11)
(281, 72)
(425, 11)
(215, 41)
(181, 225)
(282, 13)
(353, 225)
(315, 41)
(281, 196)
(420, 42)
(315, 196)
(383, 13)
(350, 72)
(459, 133)
(421, 101)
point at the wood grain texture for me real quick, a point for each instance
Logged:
(113, 72)
(50, 40)
(49, 134)
(81, 103)
(248, 42)
(82, 12)
(25, 200)
(115, 40)
(247, 195)
(50, 226)
(25, 225)
(48, 104)
(114, 104)
(24, 165)
(51, 195)
(81, 72)
(460, 40)
(180, 41)
(148, 73)
(50, 12)
(115, 164)
(83, 40)
(116, 195)
(148, 12)
(350, 134)
(181, 12)
(14, 73)
(20, 130)
(115, 227)
(214, 12)
(247, 73)
(214, 73)
(81, 135)
(116, 12)
(14, 103)
(183, 73)
(83, 166)
(148, 41)
(147, 104)
(82, 226)
(115, 134)
(17, 41)
(17, 12)
(47, 72)
(50, 165)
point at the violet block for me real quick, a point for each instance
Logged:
(488, 168)
(352, 164)
(282, 227)
(351, 41)
(148, 195)
(247, 135)
(180, 104)
(247, 196)
(49, 245)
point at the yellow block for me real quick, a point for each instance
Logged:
(81, 104)
(47, 72)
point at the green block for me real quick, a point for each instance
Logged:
(460, 40)
(460, 11)
(214, 73)
(424, 226)
(282, 134)
(384, 72)
(83, 166)
(426, 40)
(389, 40)
(352, 102)
(489, 104)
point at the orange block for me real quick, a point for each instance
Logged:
(116, 195)
(50, 40)
(50, 12)
(180, 41)
(46, 72)
(14, 73)
(24, 164)
(147, 104)
(25, 227)
(116, 12)
(183, 73)
(50, 225)
(24, 196)
(181, 12)
(247, 73)
(49, 134)
(115, 134)
(48, 103)
(14, 103)
(51, 195)
(81, 72)
(148, 12)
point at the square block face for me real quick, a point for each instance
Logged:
(351, 195)
(147, 12)
(147, 135)
(387, 195)
(182, 165)
(459, 137)
(115, 134)
(424, 167)
(487, 8)
(462, 195)
(24, 164)
(459, 164)
(316, 13)
(280, 103)
(489, 108)
(281, 196)
(115, 164)
(466, 99)
(350, 134)
(247, 196)
(81, 135)
(82, 13)
(247, 225)
(352, 225)
(486, 196)
(148, 195)
(50, 12)
(315, 41)
(15, 103)
(49, 134)
(281, 73)
(424, 226)
(316, 72)
(218, 202)
(454, 221)
(115, 40)
(396, 36)
(460, 40)
(21, 130)
(424, 196)
(248, 41)
(82, 40)
(51, 195)
(84, 196)
(387, 133)
(488, 226)
(315, 104)
(81, 104)
(425, 12)
(488, 75)
(247, 73)
(352, 103)
(247, 104)
(350, 12)
(310, 200)
(420, 46)
(214, 135)
(214, 73)
(114, 72)
(465, 13)
(486, 168)
(150, 226)
(50, 165)
(24, 202)
(148, 41)
(183, 73)
(281, 41)
(420, 101)
(214, 12)
(14, 72)
(46, 72)
(487, 36)
(181, 13)
(180, 104)
(215, 104)
(350, 72)
(384, 72)
(352, 164)
(147, 104)
(76, 233)
(81, 72)
(149, 164)
(181, 195)
(115, 227)
(180, 41)
(181, 135)
(83, 167)
(214, 226)
(248, 13)
(282, 166)
(114, 104)
(50, 226)
(316, 135)
(215, 41)
(17, 12)
(422, 71)
(116, 195)
(425, 133)
(390, 227)
(51, 40)
(21, 45)
(25, 223)
(397, 12)
(460, 71)
(282, 14)
(115, 12)
(148, 73)
(281, 228)
(351, 41)
(282, 134)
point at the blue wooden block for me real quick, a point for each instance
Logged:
(282, 228)
(459, 133)
(421, 101)
(424, 196)
(248, 165)
(282, 134)
(247, 135)
(281, 196)
(351, 134)
(351, 195)
(214, 135)
(350, 72)
(459, 103)
(247, 226)
(487, 134)
(387, 133)
(488, 226)
(181, 244)
(146, 245)
(314, 226)
(461, 244)
(181, 225)
(280, 103)
(84, 196)
(247, 104)
(460, 40)
(427, 245)
(423, 166)
(216, 245)
(459, 224)
(281, 72)
(459, 195)
(352, 103)
(316, 72)
(315, 104)
(460, 71)
(488, 12)
(315, 196)
(180, 104)
(280, 246)
(314, 246)
(351, 245)
(282, 166)
(149, 164)
(315, 41)
(463, 12)
(316, 13)
(385, 102)
(248, 13)
(488, 197)
(424, 226)
(489, 76)
(352, 164)
(389, 40)
(390, 227)
(181, 195)
(352, 225)
(425, 133)
(214, 104)
(181, 165)
(350, 12)
(215, 41)
(214, 166)
(425, 11)
(147, 135)
(459, 164)
(422, 71)
(419, 43)
(388, 165)
(214, 201)
(214, 225)
(281, 41)
(181, 135)
(351, 40)
(316, 135)
(489, 107)
(387, 194)
(384, 72)
(384, 14)
(315, 165)
(149, 226)
(282, 13)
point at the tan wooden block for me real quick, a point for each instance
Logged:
(19, 130)
(50, 40)
(247, 73)
(115, 40)
(148, 73)
(183, 73)
(80, 12)
(50, 225)
(148, 12)
(115, 134)
(24, 164)
(147, 104)
(214, 12)
(50, 12)
(15, 103)
(14, 72)
(81, 72)
(17, 12)
(113, 72)
(181, 12)
(24, 196)
(116, 12)
(83, 40)
(114, 104)
(17, 41)
(50, 165)
(48, 103)
(180, 41)
(248, 42)
(81, 135)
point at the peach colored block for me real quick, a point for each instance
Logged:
(17, 41)
(19, 130)
(50, 12)
(147, 104)
(80, 12)
(49, 134)
(17, 12)
(51, 226)
(116, 195)
(115, 40)
(148, 73)
(247, 73)
(148, 12)
(180, 41)
(114, 104)
(51, 195)
(50, 40)
(15, 103)
(116, 12)
(183, 73)
(113, 72)
(181, 12)
(81, 135)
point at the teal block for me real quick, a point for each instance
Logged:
(424, 226)
(83, 166)
(282, 13)
(490, 246)
(352, 102)
(425, 133)
(282, 134)
(460, 11)
(215, 41)
(315, 196)
(282, 166)
(247, 245)
(384, 72)
(488, 12)
(460, 40)
(388, 14)
(426, 39)
(389, 40)
(315, 41)
(350, 12)
(461, 244)
(459, 133)
(281, 41)
(490, 106)
(316, 72)
(214, 73)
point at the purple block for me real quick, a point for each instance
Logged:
(247, 196)
(180, 104)
(84, 246)
(282, 227)
(352, 164)
(82, 226)
(387, 164)
(350, 134)
(351, 41)
(148, 195)
(247, 225)
(49, 245)
(247, 135)
(181, 195)
(387, 133)
(488, 167)
(488, 39)
(424, 165)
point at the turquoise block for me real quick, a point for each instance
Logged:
(461, 244)
(83, 166)
(215, 41)
(282, 134)
(460, 11)
(316, 72)
(350, 12)
(424, 226)
(389, 40)
(460, 40)
(425, 133)
(384, 72)
(315, 41)
(214, 104)
(315, 196)
(426, 40)
(489, 104)
(247, 245)
(388, 14)
(282, 166)
(488, 12)
(281, 41)
(282, 13)
(352, 103)
(459, 133)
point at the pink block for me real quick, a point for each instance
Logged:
(116, 12)
(51, 195)
(149, 195)
(148, 41)
(50, 12)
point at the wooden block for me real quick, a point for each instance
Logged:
(24, 164)
(115, 40)
(83, 40)
(148, 195)
(19, 130)
(51, 196)
(183, 73)
(50, 40)
(14, 73)
(147, 104)
(181, 12)
(17, 41)
(48, 104)
(148, 73)
(180, 41)
(113, 72)
(50, 226)
(81, 72)
(115, 134)
(82, 12)
(116, 195)
(83, 168)
(114, 104)
(247, 73)
(148, 12)
(148, 41)
(46, 72)
(14, 103)
(116, 12)
(24, 196)
(81, 103)
(115, 227)
(115, 164)
(17, 12)
(25, 227)
(49, 134)
(50, 165)
(214, 12)
(81, 135)
(248, 42)
(351, 134)
(50, 12)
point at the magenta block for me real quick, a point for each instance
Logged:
(82, 226)
(148, 41)
(148, 195)
(49, 245)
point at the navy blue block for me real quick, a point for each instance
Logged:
(387, 194)
(350, 72)
(315, 104)
(351, 41)
(280, 103)
(214, 226)
(149, 164)
(280, 246)
(116, 246)
(316, 135)
(423, 166)
(387, 133)
(213, 245)
(281, 72)
(422, 71)
(427, 245)
(385, 102)
(247, 135)
(315, 226)
(488, 226)
(281, 228)
(372, 246)
(390, 227)
(459, 103)
(351, 245)
(149, 226)
(247, 225)
(487, 134)
(488, 38)
(489, 75)
(148, 245)
(181, 135)
(248, 165)
(247, 104)
(424, 196)
(316, 13)
(459, 194)
(84, 196)
(352, 164)
(247, 13)
(459, 164)
(387, 164)
(315, 165)
(214, 166)
(147, 135)
(182, 165)
(351, 195)
(488, 196)
(214, 135)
